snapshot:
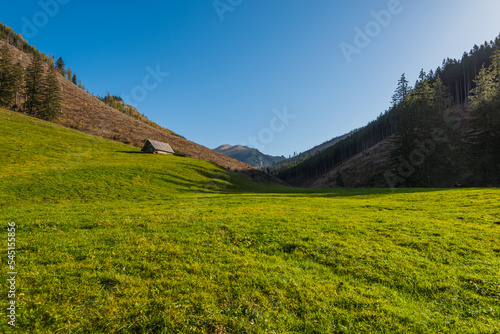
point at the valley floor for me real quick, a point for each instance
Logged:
(109, 240)
(291, 262)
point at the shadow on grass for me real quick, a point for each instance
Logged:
(340, 192)
(241, 185)
(131, 152)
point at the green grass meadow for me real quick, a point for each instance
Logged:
(109, 240)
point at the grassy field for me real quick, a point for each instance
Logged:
(112, 241)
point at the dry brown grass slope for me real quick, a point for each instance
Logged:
(86, 113)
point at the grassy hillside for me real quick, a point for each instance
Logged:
(88, 114)
(42, 161)
(112, 241)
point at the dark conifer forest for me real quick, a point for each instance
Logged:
(445, 130)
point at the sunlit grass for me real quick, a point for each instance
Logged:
(110, 241)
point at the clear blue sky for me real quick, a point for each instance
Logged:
(227, 76)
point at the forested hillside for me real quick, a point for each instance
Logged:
(443, 130)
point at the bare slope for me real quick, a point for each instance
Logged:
(363, 170)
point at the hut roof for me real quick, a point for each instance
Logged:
(158, 146)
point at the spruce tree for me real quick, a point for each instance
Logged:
(61, 68)
(51, 96)
(421, 78)
(34, 87)
(484, 135)
(443, 100)
(19, 83)
(405, 134)
(430, 143)
(7, 79)
(449, 150)
(74, 79)
(402, 91)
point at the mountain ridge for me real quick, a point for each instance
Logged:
(248, 155)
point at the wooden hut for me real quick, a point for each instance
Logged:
(157, 147)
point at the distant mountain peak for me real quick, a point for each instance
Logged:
(248, 155)
(223, 147)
